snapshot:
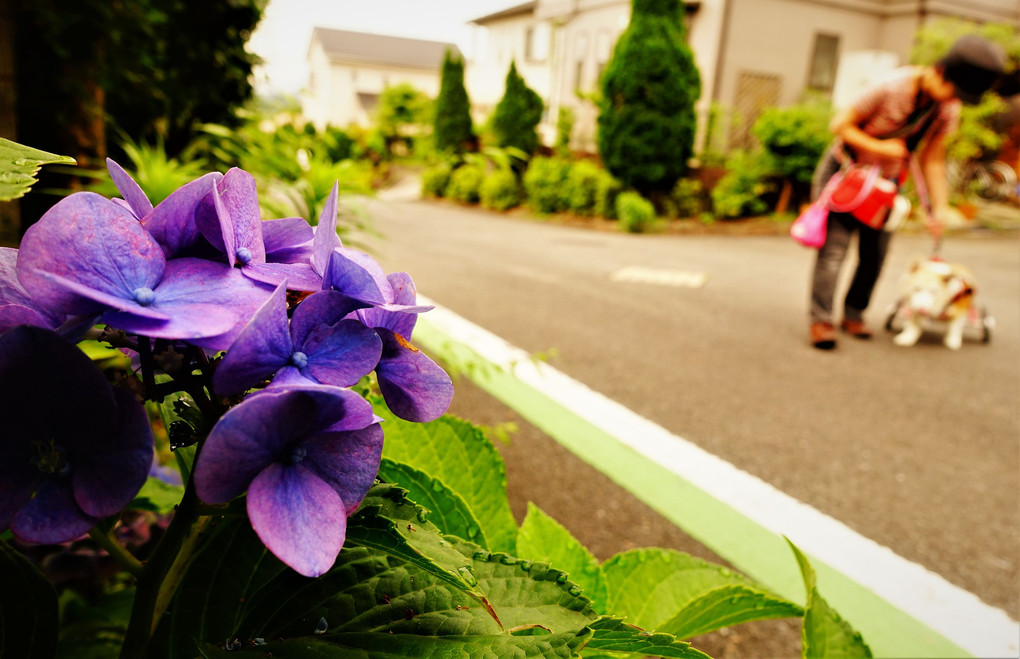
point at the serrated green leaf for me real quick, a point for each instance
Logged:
(726, 606)
(18, 166)
(460, 456)
(392, 523)
(542, 538)
(448, 510)
(158, 496)
(614, 635)
(824, 633)
(408, 646)
(28, 608)
(649, 587)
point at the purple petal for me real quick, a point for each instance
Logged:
(341, 354)
(415, 387)
(322, 308)
(137, 201)
(288, 240)
(112, 474)
(357, 275)
(17, 485)
(87, 239)
(235, 222)
(298, 276)
(52, 516)
(298, 517)
(246, 440)
(12, 315)
(348, 461)
(261, 349)
(124, 303)
(326, 240)
(173, 221)
(291, 377)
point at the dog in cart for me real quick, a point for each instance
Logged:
(936, 295)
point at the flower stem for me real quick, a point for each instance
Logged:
(123, 557)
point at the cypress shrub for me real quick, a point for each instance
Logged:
(646, 115)
(452, 128)
(517, 114)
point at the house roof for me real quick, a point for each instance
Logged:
(509, 12)
(382, 49)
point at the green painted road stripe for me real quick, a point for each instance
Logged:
(744, 542)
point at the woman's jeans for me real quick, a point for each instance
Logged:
(872, 245)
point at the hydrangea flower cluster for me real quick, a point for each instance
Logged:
(300, 317)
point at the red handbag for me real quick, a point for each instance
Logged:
(864, 193)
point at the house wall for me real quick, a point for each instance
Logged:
(341, 93)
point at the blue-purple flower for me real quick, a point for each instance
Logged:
(73, 449)
(306, 457)
(16, 305)
(415, 387)
(318, 346)
(88, 254)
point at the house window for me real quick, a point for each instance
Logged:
(536, 42)
(824, 59)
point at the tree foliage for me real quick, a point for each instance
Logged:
(453, 129)
(646, 115)
(517, 114)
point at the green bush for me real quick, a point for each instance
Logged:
(465, 184)
(607, 188)
(452, 130)
(636, 213)
(739, 193)
(500, 190)
(646, 120)
(543, 184)
(581, 190)
(687, 197)
(435, 179)
(794, 138)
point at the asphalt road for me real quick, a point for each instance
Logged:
(915, 448)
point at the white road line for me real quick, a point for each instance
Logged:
(959, 615)
(679, 278)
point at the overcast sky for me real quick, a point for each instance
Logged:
(282, 36)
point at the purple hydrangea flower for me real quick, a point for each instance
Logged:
(415, 387)
(90, 255)
(73, 448)
(317, 347)
(306, 456)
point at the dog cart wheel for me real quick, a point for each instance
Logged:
(890, 320)
(987, 325)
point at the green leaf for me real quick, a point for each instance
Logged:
(659, 588)
(461, 458)
(18, 166)
(824, 633)
(392, 523)
(93, 628)
(230, 567)
(407, 646)
(726, 606)
(542, 538)
(614, 635)
(28, 608)
(158, 496)
(448, 510)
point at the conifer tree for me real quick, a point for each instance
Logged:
(517, 114)
(646, 116)
(453, 129)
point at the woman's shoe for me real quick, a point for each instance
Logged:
(823, 335)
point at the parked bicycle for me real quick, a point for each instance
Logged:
(992, 180)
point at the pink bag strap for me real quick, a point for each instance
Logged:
(862, 194)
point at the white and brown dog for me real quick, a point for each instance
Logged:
(935, 290)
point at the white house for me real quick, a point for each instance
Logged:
(349, 70)
(751, 53)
